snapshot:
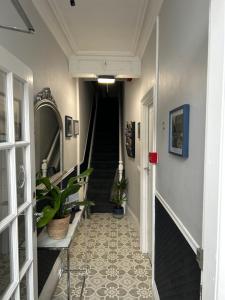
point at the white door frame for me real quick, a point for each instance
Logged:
(214, 175)
(13, 67)
(149, 99)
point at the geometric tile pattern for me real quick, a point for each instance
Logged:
(117, 270)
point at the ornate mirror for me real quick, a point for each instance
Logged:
(48, 136)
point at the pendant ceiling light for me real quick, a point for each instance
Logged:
(106, 79)
(72, 2)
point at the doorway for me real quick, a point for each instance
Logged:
(147, 173)
(17, 237)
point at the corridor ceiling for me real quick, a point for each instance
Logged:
(96, 27)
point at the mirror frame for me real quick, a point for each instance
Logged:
(45, 99)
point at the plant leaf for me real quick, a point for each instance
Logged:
(45, 181)
(48, 214)
(83, 175)
(70, 190)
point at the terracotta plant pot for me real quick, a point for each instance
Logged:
(58, 228)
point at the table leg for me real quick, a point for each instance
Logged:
(68, 274)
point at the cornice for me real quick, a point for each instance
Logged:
(46, 13)
(151, 14)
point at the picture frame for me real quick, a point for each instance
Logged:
(179, 131)
(139, 130)
(75, 127)
(130, 139)
(68, 126)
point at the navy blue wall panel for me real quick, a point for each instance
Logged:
(177, 274)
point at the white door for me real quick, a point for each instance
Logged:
(17, 185)
(150, 179)
(147, 173)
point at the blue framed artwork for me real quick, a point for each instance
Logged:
(179, 130)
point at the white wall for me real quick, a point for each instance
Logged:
(183, 27)
(183, 44)
(86, 95)
(134, 92)
(43, 55)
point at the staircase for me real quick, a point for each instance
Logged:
(105, 154)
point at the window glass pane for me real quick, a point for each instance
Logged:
(5, 263)
(18, 90)
(20, 176)
(4, 194)
(22, 239)
(3, 123)
(23, 288)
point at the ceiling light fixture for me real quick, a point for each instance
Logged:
(106, 79)
(72, 2)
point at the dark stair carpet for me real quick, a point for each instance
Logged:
(105, 155)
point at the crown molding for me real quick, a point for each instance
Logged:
(61, 20)
(46, 13)
(54, 20)
(152, 11)
(139, 26)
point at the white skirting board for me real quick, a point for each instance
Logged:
(155, 291)
(134, 218)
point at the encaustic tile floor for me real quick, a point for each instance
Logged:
(117, 270)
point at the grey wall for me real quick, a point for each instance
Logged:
(183, 27)
(134, 92)
(183, 43)
(43, 55)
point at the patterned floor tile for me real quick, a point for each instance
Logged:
(117, 270)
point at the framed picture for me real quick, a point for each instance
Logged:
(179, 131)
(68, 126)
(75, 127)
(130, 139)
(139, 130)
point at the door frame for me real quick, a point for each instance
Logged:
(214, 173)
(148, 99)
(13, 66)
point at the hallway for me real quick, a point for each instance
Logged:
(117, 269)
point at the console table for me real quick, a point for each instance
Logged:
(44, 241)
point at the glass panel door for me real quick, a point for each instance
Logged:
(17, 237)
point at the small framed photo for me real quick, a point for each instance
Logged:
(75, 127)
(139, 130)
(179, 131)
(68, 126)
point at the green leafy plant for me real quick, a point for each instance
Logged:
(119, 192)
(55, 206)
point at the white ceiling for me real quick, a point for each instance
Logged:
(96, 27)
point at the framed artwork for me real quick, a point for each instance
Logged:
(130, 139)
(75, 127)
(139, 130)
(179, 131)
(68, 126)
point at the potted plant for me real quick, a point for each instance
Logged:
(119, 197)
(55, 211)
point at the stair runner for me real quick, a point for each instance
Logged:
(105, 155)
